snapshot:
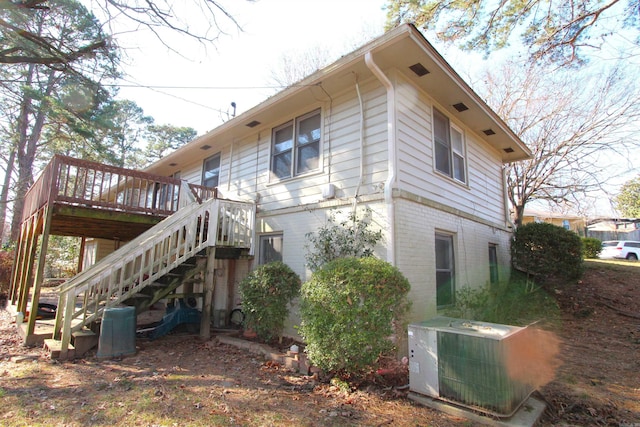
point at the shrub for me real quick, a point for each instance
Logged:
(266, 293)
(510, 303)
(470, 303)
(349, 238)
(350, 310)
(591, 247)
(547, 252)
(6, 265)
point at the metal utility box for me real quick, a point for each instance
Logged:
(117, 332)
(470, 363)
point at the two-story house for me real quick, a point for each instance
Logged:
(390, 127)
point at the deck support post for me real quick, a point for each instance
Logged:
(209, 285)
(37, 284)
(24, 262)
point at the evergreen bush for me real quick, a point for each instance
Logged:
(350, 311)
(266, 293)
(547, 252)
(349, 238)
(591, 247)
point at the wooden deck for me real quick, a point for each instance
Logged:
(73, 197)
(89, 199)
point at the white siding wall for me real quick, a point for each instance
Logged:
(250, 158)
(96, 249)
(483, 196)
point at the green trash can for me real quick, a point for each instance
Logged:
(117, 332)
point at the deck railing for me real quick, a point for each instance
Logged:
(89, 184)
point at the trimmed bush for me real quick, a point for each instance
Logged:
(350, 310)
(266, 293)
(547, 252)
(591, 247)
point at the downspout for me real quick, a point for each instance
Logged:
(391, 148)
(507, 212)
(361, 175)
(230, 166)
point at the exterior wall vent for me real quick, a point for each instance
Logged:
(253, 123)
(205, 147)
(489, 132)
(460, 107)
(419, 69)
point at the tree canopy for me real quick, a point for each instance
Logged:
(53, 98)
(628, 200)
(200, 20)
(559, 30)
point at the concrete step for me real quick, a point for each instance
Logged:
(83, 341)
(55, 347)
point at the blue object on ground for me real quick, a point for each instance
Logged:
(176, 315)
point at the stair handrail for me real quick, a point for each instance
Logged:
(239, 217)
(108, 260)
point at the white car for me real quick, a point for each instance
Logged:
(620, 249)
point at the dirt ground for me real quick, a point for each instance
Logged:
(179, 380)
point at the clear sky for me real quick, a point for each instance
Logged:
(197, 89)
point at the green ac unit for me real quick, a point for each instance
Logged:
(474, 364)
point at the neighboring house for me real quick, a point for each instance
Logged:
(614, 228)
(574, 223)
(390, 127)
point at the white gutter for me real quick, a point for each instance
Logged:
(391, 148)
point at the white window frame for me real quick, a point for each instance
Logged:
(263, 240)
(454, 143)
(296, 147)
(445, 266)
(204, 170)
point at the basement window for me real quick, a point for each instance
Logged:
(270, 248)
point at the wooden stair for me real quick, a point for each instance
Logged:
(151, 266)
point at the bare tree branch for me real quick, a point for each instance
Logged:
(157, 16)
(569, 130)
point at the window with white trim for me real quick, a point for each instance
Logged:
(445, 272)
(270, 248)
(211, 171)
(296, 146)
(449, 147)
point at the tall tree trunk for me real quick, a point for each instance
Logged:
(4, 194)
(30, 124)
(518, 214)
